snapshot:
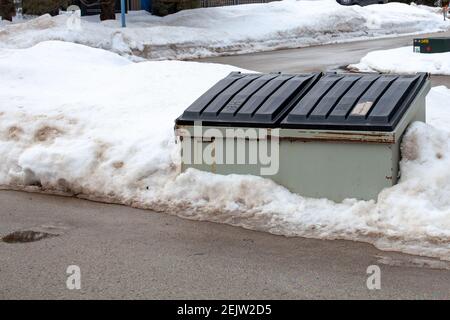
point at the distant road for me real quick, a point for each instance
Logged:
(319, 58)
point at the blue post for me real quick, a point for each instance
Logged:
(122, 13)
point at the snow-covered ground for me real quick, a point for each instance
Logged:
(230, 30)
(88, 122)
(404, 60)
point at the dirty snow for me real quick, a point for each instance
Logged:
(404, 60)
(230, 30)
(88, 122)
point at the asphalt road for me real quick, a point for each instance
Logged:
(129, 253)
(319, 58)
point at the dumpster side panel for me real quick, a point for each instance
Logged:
(200, 150)
(334, 170)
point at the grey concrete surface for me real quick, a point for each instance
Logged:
(129, 253)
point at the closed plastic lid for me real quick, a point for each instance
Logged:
(249, 99)
(307, 101)
(355, 102)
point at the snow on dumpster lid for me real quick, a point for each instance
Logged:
(365, 102)
(249, 99)
(362, 102)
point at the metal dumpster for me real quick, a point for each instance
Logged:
(432, 45)
(332, 136)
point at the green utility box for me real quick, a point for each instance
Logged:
(432, 45)
(332, 136)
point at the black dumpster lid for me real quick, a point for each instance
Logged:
(364, 102)
(249, 99)
(355, 102)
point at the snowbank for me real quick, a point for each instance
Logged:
(438, 108)
(230, 30)
(404, 60)
(88, 122)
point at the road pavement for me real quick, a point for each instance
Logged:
(129, 253)
(330, 57)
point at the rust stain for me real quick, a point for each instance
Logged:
(213, 166)
(337, 138)
(333, 136)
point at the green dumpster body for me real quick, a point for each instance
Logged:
(432, 45)
(316, 157)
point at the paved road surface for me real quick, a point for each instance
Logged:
(318, 58)
(130, 253)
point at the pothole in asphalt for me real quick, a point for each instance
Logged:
(27, 236)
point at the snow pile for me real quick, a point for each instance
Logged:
(230, 30)
(88, 122)
(438, 110)
(404, 60)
